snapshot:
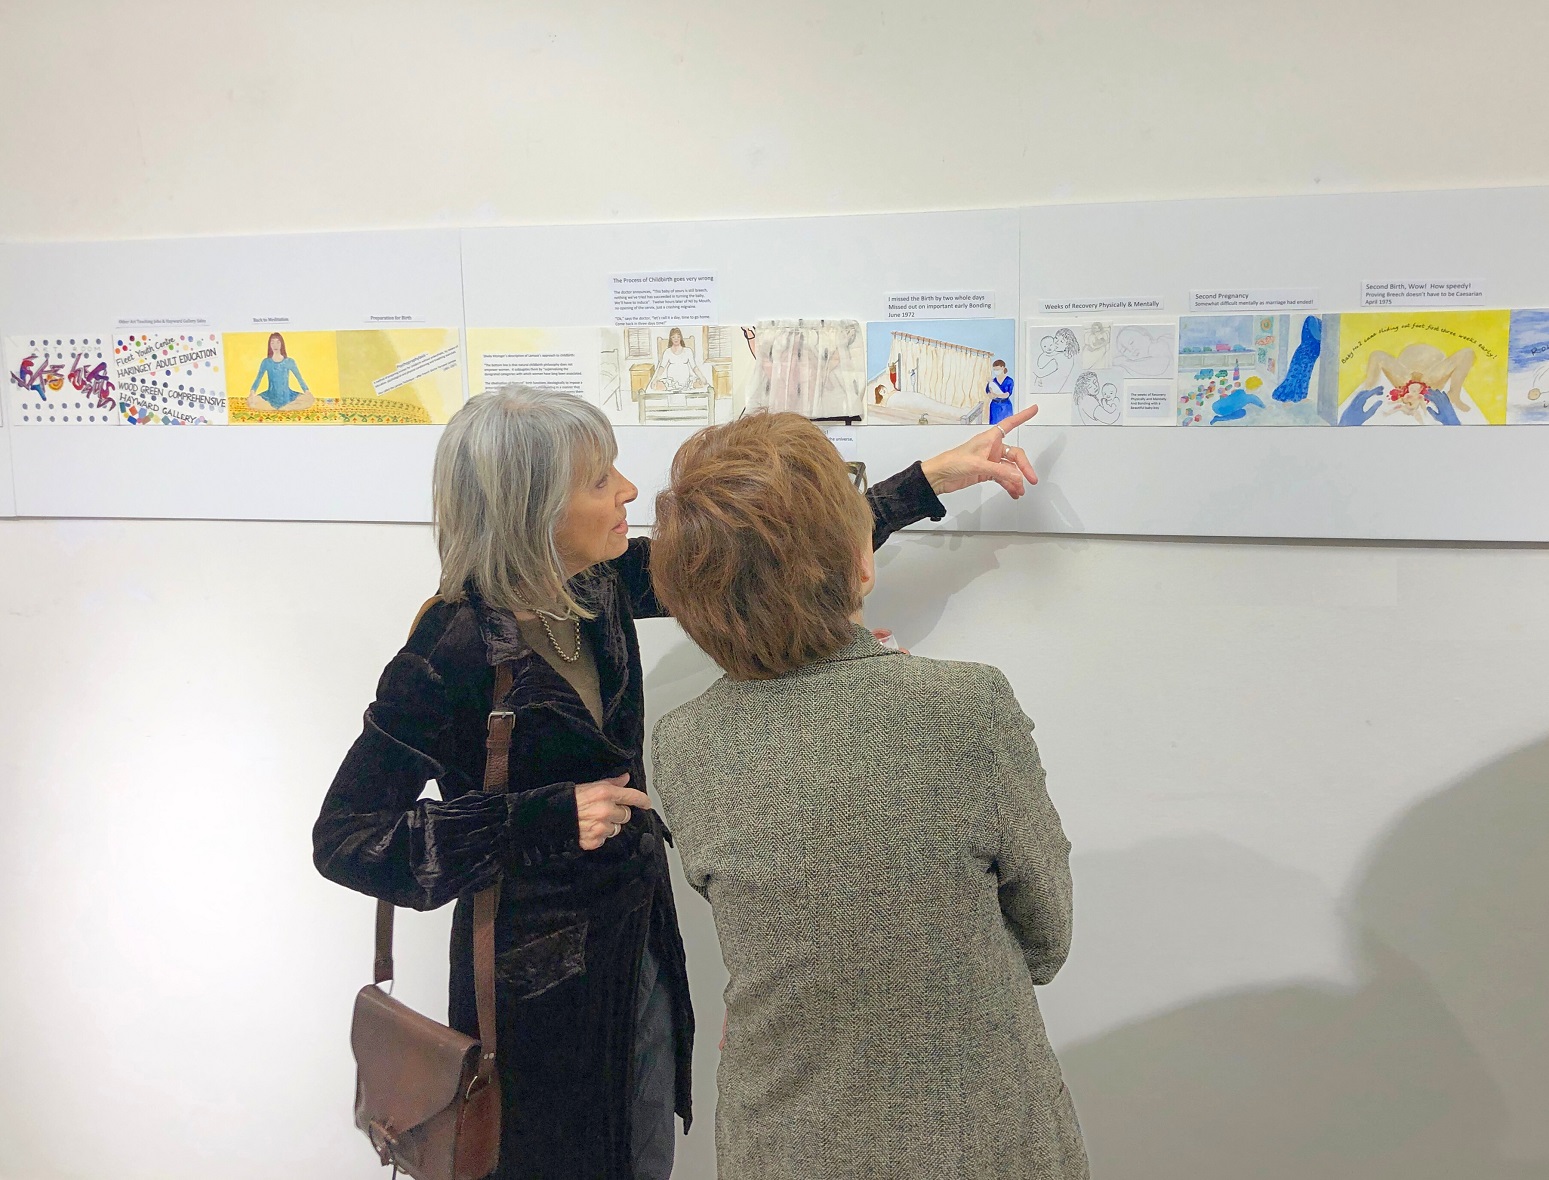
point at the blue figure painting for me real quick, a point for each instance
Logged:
(1299, 373)
(1234, 405)
(1253, 370)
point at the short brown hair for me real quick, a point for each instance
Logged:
(758, 539)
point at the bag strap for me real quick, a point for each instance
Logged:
(497, 771)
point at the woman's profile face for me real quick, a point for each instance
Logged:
(594, 527)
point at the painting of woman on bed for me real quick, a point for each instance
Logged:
(677, 371)
(938, 373)
(673, 372)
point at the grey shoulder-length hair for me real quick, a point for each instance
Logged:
(505, 468)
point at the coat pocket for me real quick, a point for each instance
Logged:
(540, 963)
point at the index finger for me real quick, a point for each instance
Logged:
(630, 797)
(1021, 416)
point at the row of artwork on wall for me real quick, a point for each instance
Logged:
(1399, 368)
(1442, 367)
(957, 371)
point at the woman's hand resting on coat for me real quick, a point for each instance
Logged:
(984, 457)
(603, 808)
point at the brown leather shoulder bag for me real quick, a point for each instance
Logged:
(427, 1096)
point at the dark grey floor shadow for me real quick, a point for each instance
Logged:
(1434, 1066)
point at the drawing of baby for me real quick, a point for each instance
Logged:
(1097, 401)
(1056, 359)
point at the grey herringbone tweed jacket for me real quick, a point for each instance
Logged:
(889, 881)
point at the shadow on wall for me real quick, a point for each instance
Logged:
(945, 563)
(1435, 1066)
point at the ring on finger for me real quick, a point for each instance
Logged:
(999, 431)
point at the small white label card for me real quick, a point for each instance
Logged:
(1423, 292)
(1228, 299)
(662, 297)
(1113, 303)
(1150, 401)
(846, 440)
(941, 305)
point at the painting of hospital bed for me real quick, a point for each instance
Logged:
(1256, 370)
(668, 374)
(938, 372)
(808, 367)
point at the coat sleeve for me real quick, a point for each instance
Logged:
(633, 570)
(376, 835)
(896, 502)
(901, 500)
(1033, 862)
(669, 740)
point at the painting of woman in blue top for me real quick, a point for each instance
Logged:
(278, 368)
(1000, 387)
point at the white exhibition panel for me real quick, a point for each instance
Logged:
(366, 473)
(1331, 242)
(1486, 484)
(1481, 484)
(308, 281)
(835, 267)
(7, 484)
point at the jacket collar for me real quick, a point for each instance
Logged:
(862, 646)
(535, 681)
(503, 638)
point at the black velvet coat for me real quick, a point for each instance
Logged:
(571, 926)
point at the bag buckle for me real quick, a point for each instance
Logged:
(385, 1142)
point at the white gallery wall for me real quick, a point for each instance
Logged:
(1307, 784)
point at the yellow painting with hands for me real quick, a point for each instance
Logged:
(1423, 367)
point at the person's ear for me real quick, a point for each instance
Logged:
(868, 569)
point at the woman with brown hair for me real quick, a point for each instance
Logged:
(540, 576)
(889, 878)
(278, 368)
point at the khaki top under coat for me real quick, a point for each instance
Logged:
(889, 881)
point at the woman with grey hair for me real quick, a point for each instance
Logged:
(539, 575)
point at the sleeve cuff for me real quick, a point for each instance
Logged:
(917, 491)
(900, 500)
(543, 823)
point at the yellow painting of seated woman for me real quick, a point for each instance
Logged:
(281, 376)
(382, 377)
